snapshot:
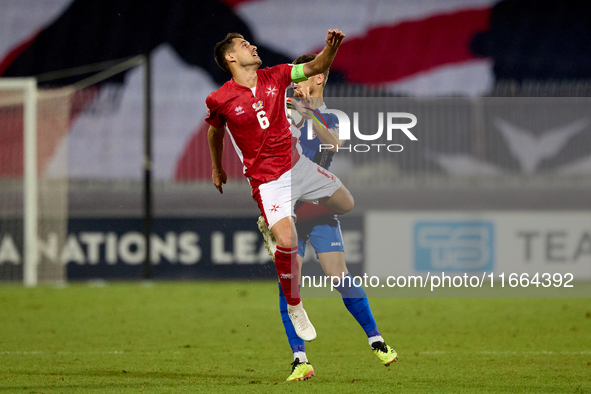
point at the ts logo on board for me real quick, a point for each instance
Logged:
(454, 246)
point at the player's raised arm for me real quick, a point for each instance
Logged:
(215, 138)
(322, 62)
(328, 136)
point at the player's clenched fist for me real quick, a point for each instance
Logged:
(334, 38)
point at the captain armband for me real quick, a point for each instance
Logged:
(297, 73)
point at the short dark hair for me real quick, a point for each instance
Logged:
(309, 58)
(223, 47)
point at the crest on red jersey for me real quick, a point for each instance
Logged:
(258, 105)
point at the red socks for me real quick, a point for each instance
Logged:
(287, 266)
(307, 211)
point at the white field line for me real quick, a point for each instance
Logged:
(510, 352)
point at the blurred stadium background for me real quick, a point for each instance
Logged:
(498, 181)
(514, 136)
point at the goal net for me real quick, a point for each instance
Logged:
(33, 180)
(36, 176)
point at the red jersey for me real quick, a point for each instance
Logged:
(257, 123)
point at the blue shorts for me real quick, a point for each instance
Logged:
(324, 235)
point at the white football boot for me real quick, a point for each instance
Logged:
(270, 242)
(302, 325)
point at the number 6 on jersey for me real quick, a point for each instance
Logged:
(263, 121)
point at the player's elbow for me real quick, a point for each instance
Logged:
(322, 67)
(315, 67)
(335, 145)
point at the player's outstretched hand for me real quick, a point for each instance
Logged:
(302, 101)
(334, 38)
(219, 177)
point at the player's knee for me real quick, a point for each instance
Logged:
(286, 239)
(350, 203)
(337, 275)
(347, 202)
(283, 240)
(285, 234)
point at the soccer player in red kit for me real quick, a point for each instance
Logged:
(251, 107)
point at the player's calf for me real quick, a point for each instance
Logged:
(285, 233)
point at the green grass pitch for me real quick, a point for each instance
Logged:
(188, 337)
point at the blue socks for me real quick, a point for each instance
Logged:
(355, 301)
(296, 343)
(357, 304)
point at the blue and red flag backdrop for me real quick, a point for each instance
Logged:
(420, 48)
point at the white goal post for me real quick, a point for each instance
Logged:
(33, 180)
(35, 125)
(28, 86)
